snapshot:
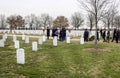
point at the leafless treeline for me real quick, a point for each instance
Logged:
(100, 13)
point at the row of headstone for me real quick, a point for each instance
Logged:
(67, 40)
(39, 32)
(20, 52)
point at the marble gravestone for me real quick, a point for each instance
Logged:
(34, 46)
(82, 40)
(55, 41)
(27, 39)
(44, 39)
(2, 43)
(16, 44)
(68, 39)
(4, 38)
(40, 41)
(14, 38)
(23, 37)
(20, 55)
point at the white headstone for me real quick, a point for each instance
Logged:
(16, 44)
(40, 41)
(20, 56)
(14, 38)
(4, 38)
(82, 40)
(12, 31)
(55, 41)
(2, 43)
(44, 39)
(34, 46)
(68, 39)
(23, 37)
(26, 39)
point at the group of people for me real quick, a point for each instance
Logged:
(56, 32)
(105, 34)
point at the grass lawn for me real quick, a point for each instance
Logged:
(63, 61)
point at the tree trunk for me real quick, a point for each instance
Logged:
(96, 22)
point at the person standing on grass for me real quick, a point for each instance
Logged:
(101, 33)
(56, 33)
(117, 35)
(98, 34)
(64, 34)
(53, 31)
(61, 35)
(86, 35)
(104, 35)
(108, 36)
(114, 35)
(48, 32)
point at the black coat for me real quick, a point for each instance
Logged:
(86, 34)
(104, 34)
(48, 32)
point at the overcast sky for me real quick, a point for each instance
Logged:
(37, 7)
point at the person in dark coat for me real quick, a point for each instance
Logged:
(86, 34)
(56, 33)
(48, 32)
(64, 34)
(104, 35)
(53, 32)
(101, 33)
(117, 35)
(108, 36)
(114, 35)
(98, 34)
(61, 35)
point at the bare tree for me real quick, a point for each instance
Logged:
(95, 7)
(50, 22)
(15, 21)
(77, 20)
(117, 21)
(2, 21)
(30, 20)
(37, 22)
(108, 18)
(91, 21)
(46, 20)
(114, 11)
(60, 22)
